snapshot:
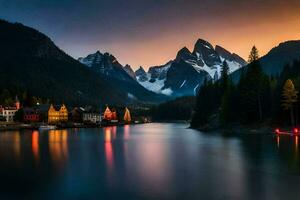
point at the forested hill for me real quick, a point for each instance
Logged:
(30, 61)
(274, 61)
(255, 99)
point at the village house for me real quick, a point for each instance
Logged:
(110, 115)
(57, 115)
(92, 117)
(127, 116)
(31, 115)
(9, 112)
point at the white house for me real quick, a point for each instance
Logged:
(8, 113)
(91, 117)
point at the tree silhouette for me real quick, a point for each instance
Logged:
(253, 55)
(290, 97)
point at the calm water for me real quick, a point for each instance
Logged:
(151, 161)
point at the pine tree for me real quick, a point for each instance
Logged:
(224, 76)
(253, 55)
(227, 113)
(290, 97)
(252, 87)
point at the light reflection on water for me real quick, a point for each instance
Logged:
(58, 146)
(10, 145)
(35, 145)
(151, 161)
(110, 134)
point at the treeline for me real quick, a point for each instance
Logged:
(256, 99)
(9, 96)
(178, 109)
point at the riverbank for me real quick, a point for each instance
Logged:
(15, 126)
(237, 128)
(172, 121)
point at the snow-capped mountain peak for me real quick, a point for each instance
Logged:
(91, 59)
(185, 74)
(108, 65)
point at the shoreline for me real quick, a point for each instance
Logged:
(237, 129)
(22, 126)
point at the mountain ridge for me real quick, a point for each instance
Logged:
(204, 62)
(31, 61)
(274, 61)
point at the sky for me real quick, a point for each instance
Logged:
(150, 32)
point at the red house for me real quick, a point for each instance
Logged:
(31, 115)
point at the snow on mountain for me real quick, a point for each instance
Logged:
(108, 65)
(141, 75)
(185, 74)
(91, 59)
(182, 76)
(123, 77)
(154, 79)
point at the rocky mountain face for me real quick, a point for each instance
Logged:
(186, 73)
(107, 65)
(129, 71)
(141, 73)
(30, 61)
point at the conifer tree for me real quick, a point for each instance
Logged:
(253, 55)
(227, 108)
(224, 76)
(290, 97)
(253, 87)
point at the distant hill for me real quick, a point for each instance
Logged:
(285, 53)
(275, 60)
(30, 61)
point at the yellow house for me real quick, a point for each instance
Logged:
(56, 116)
(127, 116)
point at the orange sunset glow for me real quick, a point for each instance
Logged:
(265, 34)
(145, 33)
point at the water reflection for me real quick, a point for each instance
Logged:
(153, 166)
(126, 132)
(108, 132)
(288, 149)
(10, 145)
(151, 161)
(296, 143)
(114, 131)
(58, 146)
(35, 145)
(278, 141)
(108, 146)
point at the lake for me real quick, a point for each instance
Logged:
(148, 161)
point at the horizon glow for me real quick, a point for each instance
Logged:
(147, 33)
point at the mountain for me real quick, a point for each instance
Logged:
(129, 71)
(124, 77)
(30, 61)
(141, 73)
(275, 60)
(186, 73)
(106, 64)
(285, 53)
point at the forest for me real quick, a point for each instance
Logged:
(257, 99)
